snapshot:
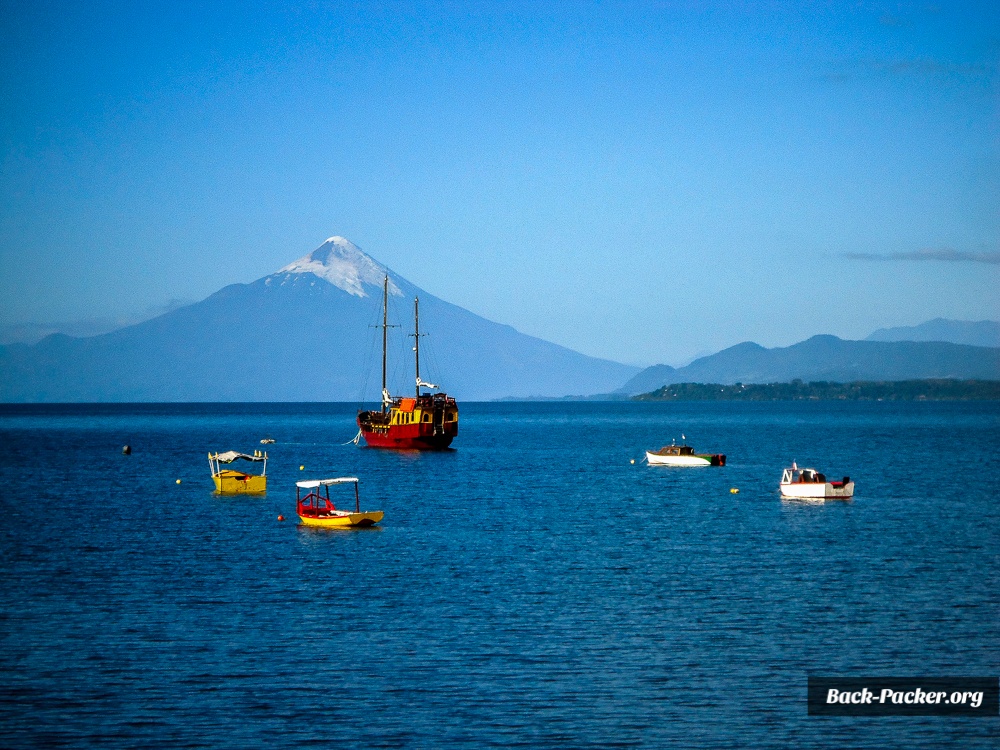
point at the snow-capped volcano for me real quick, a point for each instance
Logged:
(319, 306)
(343, 264)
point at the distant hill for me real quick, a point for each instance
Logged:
(649, 379)
(902, 390)
(980, 333)
(828, 358)
(302, 333)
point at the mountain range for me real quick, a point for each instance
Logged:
(827, 358)
(973, 333)
(304, 333)
(310, 332)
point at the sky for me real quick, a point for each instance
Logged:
(641, 181)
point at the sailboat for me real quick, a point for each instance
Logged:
(428, 421)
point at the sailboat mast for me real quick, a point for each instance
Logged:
(385, 330)
(416, 339)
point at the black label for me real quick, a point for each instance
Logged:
(904, 696)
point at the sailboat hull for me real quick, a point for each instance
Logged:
(423, 443)
(407, 436)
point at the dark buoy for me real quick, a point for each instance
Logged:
(127, 450)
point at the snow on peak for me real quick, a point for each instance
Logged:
(343, 264)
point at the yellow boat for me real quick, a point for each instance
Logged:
(317, 509)
(231, 482)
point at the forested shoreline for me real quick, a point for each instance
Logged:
(900, 390)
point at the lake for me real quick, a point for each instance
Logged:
(532, 587)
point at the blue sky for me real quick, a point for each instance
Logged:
(638, 181)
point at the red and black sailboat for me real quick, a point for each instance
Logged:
(428, 421)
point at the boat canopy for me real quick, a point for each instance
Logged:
(313, 483)
(229, 456)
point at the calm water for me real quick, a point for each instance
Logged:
(532, 588)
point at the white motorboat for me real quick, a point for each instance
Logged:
(809, 484)
(683, 455)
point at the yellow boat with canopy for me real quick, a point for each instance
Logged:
(316, 508)
(232, 482)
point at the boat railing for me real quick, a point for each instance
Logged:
(314, 504)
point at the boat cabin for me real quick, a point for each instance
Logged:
(437, 411)
(809, 476)
(676, 450)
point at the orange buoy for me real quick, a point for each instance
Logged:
(281, 518)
